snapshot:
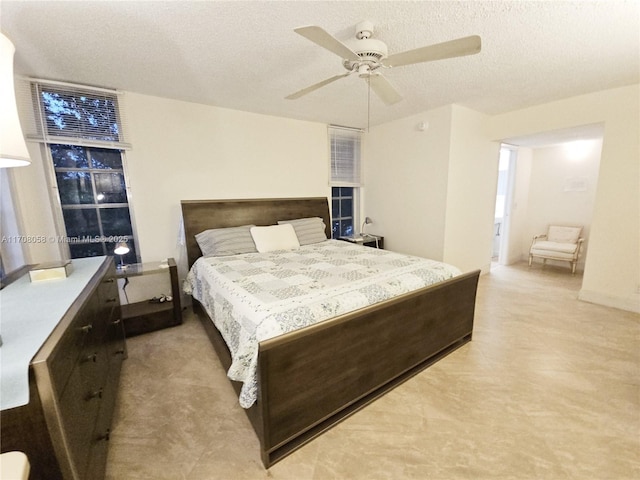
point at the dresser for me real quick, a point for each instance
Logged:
(71, 381)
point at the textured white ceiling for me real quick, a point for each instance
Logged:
(244, 54)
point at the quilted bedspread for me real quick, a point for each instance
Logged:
(256, 296)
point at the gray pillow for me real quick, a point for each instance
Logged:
(219, 242)
(308, 230)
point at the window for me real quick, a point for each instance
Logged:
(342, 222)
(82, 129)
(345, 180)
(93, 198)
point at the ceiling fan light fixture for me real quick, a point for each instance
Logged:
(364, 70)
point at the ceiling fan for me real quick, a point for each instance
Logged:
(366, 56)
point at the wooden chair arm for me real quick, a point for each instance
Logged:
(535, 239)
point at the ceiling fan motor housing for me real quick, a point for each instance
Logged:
(370, 51)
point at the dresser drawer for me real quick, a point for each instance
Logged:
(108, 292)
(79, 407)
(115, 347)
(80, 335)
(102, 431)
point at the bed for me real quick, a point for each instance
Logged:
(311, 378)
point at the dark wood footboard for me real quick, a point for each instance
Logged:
(315, 377)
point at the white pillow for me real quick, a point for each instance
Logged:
(275, 237)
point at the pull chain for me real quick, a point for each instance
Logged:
(368, 103)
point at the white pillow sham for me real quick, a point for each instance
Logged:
(308, 230)
(275, 237)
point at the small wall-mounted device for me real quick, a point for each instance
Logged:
(422, 126)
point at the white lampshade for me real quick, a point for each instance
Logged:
(121, 248)
(13, 149)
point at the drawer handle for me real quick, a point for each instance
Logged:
(86, 328)
(105, 436)
(109, 280)
(95, 394)
(112, 299)
(91, 358)
(119, 352)
(116, 322)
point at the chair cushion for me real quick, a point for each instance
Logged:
(554, 249)
(563, 234)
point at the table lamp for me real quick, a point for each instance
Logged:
(121, 249)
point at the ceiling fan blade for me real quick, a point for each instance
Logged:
(320, 37)
(316, 86)
(454, 48)
(387, 93)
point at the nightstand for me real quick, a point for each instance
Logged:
(368, 240)
(151, 314)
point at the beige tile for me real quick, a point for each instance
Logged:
(549, 388)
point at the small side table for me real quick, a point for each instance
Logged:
(368, 240)
(146, 316)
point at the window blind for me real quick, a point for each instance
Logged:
(70, 114)
(345, 156)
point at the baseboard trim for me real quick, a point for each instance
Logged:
(629, 304)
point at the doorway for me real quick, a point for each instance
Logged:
(544, 179)
(504, 193)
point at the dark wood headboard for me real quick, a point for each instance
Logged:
(201, 215)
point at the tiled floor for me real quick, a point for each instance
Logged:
(549, 388)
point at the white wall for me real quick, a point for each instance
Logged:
(405, 178)
(556, 194)
(187, 151)
(471, 192)
(612, 270)
(519, 238)
(432, 193)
